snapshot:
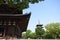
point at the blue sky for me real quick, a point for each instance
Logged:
(46, 12)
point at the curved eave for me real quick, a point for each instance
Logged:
(14, 15)
(22, 22)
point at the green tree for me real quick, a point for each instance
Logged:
(53, 30)
(39, 31)
(20, 4)
(33, 35)
(29, 34)
(26, 34)
(47, 35)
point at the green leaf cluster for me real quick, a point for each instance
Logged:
(29, 34)
(39, 31)
(20, 4)
(1, 2)
(53, 30)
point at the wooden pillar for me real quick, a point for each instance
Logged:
(18, 32)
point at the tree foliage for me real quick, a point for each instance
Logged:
(29, 34)
(21, 4)
(39, 31)
(47, 35)
(33, 35)
(26, 34)
(53, 30)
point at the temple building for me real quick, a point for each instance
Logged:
(12, 21)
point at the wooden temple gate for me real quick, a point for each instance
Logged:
(12, 21)
(12, 25)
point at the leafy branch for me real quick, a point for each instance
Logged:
(20, 4)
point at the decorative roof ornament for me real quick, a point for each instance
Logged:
(39, 24)
(38, 21)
